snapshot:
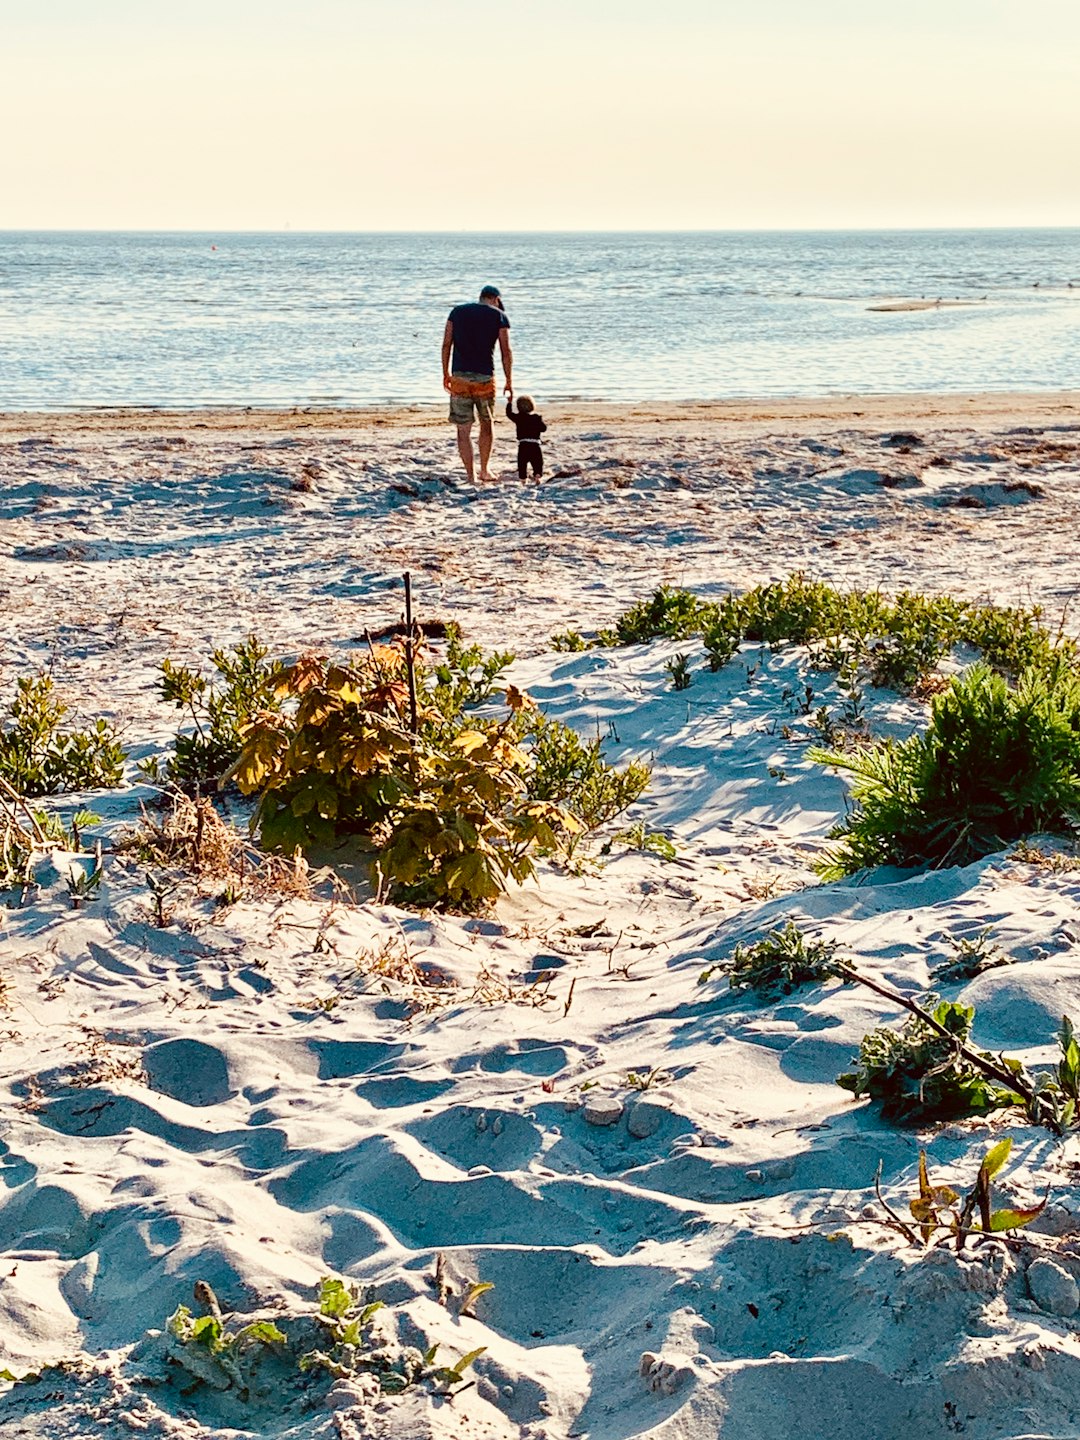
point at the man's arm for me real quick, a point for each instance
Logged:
(507, 360)
(447, 345)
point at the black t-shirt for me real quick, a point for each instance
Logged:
(476, 328)
(528, 424)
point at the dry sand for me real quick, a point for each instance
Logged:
(245, 1096)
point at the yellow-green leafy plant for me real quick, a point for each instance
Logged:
(439, 798)
(469, 825)
(940, 1208)
(639, 837)
(345, 1315)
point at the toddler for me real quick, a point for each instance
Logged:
(530, 426)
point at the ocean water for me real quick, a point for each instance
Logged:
(289, 320)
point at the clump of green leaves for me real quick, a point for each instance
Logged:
(1057, 1094)
(40, 755)
(670, 613)
(569, 640)
(779, 963)
(639, 837)
(939, 1207)
(721, 644)
(219, 1357)
(466, 676)
(971, 956)
(679, 670)
(217, 709)
(918, 1074)
(346, 1313)
(996, 762)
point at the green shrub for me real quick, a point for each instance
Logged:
(722, 638)
(799, 610)
(777, 964)
(919, 1075)
(244, 684)
(572, 773)
(996, 763)
(451, 813)
(464, 824)
(466, 676)
(570, 640)
(1014, 639)
(671, 614)
(39, 757)
(897, 640)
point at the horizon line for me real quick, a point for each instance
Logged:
(669, 230)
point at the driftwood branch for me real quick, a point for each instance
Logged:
(992, 1069)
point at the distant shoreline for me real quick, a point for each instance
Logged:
(997, 408)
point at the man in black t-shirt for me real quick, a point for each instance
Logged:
(470, 336)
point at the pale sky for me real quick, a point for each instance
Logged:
(566, 114)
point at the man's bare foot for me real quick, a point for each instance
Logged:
(485, 475)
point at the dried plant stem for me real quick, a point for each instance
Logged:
(894, 1218)
(410, 655)
(19, 803)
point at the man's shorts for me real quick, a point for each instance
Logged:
(469, 393)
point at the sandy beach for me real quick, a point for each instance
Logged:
(998, 409)
(152, 533)
(250, 1096)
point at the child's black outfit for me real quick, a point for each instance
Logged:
(530, 427)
